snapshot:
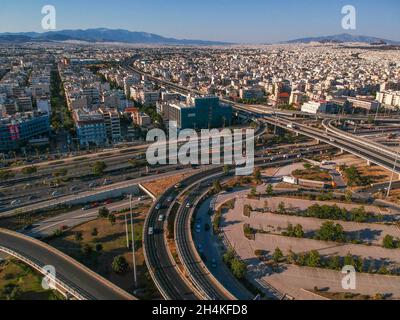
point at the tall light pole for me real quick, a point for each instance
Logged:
(133, 245)
(394, 169)
(126, 227)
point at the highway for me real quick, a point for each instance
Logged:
(74, 218)
(82, 195)
(279, 118)
(368, 153)
(196, 269)
(81, 282)
(171, 283)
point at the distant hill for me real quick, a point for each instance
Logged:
(344, 38)
(102, 35)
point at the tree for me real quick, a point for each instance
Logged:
(98, 247)
(278, 255)
(112, 218)
(257, 175)
(6, 174)
(98, 168)
(307, 166)
(95, 232)
(253, 192)
(388, 242)
(120, 265)
(238, 268)
(313, 259)
(349, 196)
(29, 170)
(298, 231)
(217, 186)
(60, 172)
(270, 190)
(334, 263)
(226, 169)
(229, 256)
(104, 212)
(87, 250)
(330, 231)
(291, 258)
(281, 208)
(349, 260)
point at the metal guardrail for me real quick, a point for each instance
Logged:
(368, 143)
(67, 258)
(60, 284)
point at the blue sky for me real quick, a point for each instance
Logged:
(245, 21)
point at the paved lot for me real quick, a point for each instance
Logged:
(291, 279)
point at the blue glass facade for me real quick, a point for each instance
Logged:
(206, 113)
(13, 133)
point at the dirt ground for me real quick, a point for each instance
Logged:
(375, 173)
(112, 237)
(158, 187)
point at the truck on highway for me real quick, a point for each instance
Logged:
(291, 180)
(292, 126)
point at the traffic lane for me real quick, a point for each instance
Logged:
(67, 270)
(213, 249)
(164, 263)
(118, 185)
(75, 218)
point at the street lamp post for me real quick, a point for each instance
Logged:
(133, 244)
(394, 169)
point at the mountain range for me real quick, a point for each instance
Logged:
(101, 35)
(124, 36)
(344, 38)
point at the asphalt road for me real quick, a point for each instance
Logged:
(74, 218)
(87, 283)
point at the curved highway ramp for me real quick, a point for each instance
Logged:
(72, 278)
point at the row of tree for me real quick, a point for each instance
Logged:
(313, 259)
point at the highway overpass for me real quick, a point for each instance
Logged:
(72, 278)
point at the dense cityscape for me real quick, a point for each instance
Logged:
(87, 214)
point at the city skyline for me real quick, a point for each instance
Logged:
(270, 23)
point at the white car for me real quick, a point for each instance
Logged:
(161, 218)
(151, 231)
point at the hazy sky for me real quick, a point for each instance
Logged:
(246, 21)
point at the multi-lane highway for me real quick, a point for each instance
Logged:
(201, 277)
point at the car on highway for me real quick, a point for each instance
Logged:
(207, 227)
(188, 205)
(87, 207)
(200, 248)
(214, 263)
(198, 228)
(161, 218)
(158, 206)
(56, 194)
(151, 231)
(93, 185)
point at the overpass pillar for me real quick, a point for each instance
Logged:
(318, 142)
